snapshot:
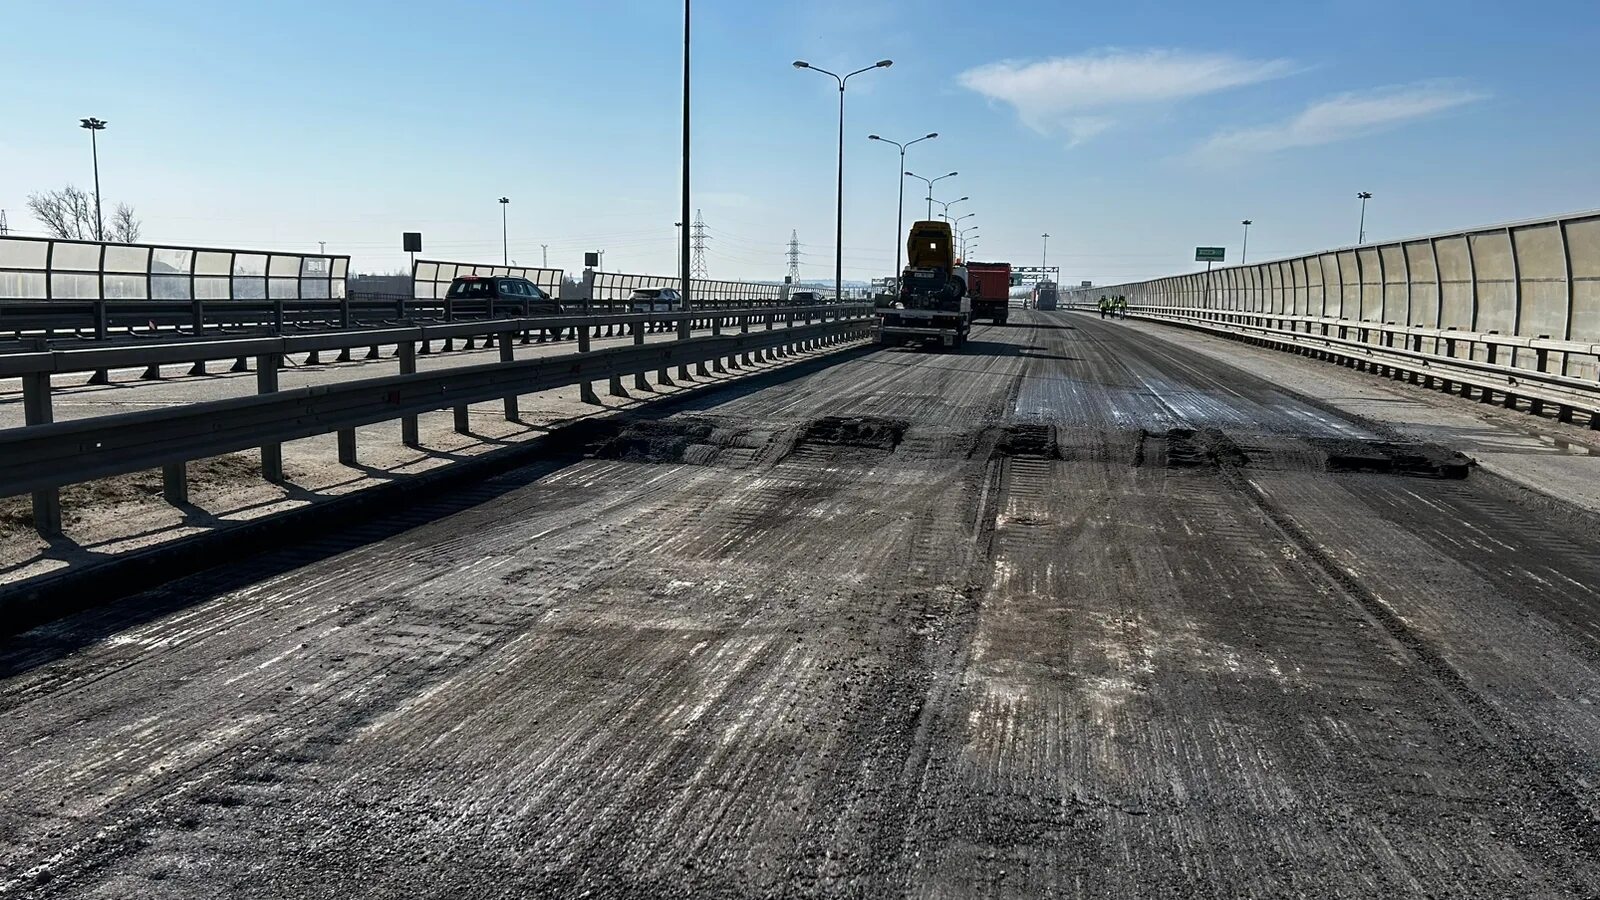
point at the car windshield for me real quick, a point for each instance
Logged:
(646, 294)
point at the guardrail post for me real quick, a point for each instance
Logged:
(100, 376)
(175, 483)
(585, 388)
(768, 354)
(197, 316)
(277, 316)
(449, 316)
(36, 410)
(347, 446)
(406, 353)
(639, 382)
(508, 354)
(744, 328)
(267, 383)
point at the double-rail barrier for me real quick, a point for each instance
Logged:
(43, 456)
(1508, 314)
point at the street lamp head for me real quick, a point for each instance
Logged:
(1247, 222)
(1365, 195)
(801, 64)
(884, 63)
(505, 199)
(873, 137)
(952, 175)
(92, 124)
(912, 174)
(959, 199)
(931, 134)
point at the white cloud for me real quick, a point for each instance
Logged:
(1056, 93)
(1342, 117)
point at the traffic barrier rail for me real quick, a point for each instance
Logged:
(42, 456)
(1457, 370)
(1511, 311)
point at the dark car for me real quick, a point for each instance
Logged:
(513, 294)
(647, 300)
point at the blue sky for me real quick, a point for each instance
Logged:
(1130, 131)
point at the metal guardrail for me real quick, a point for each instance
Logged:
(1464, 361)
(42, 456)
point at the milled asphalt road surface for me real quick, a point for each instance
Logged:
(1075, 613)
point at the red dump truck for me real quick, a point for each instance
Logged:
(989, 283)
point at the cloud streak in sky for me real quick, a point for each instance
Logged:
(1342, 117)
(1074, 94)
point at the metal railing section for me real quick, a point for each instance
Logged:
(34, 268)
(43, 456)
(430, 278)
(612, 290)
(1519, 300)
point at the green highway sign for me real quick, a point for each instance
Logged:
(1210, 254)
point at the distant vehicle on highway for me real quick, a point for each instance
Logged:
(1044, 295)
(655, 300)
(805, 298)
(512, 291)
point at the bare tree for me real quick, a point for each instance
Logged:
(124, 228)
(69, 213)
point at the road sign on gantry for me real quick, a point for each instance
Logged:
(1210, 254)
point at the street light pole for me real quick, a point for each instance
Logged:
(1365, 196)
(505, 241)
(683, 215)
(1044, 253)
(962, 237)
(838, 237)
(1244, 252)
(945, 212)
(900, 205)
(929, 182)
(95, 125)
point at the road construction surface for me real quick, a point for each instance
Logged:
(1074, 613)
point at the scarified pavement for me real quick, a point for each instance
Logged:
(1076, 612)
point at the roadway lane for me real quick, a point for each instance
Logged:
(1077, 612)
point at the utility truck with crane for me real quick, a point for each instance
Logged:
(932, 304)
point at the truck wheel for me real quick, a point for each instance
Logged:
(999, 320)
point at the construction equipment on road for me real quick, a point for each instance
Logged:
(991, 290)
(933, 304)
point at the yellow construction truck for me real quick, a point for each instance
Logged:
(932, 304)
